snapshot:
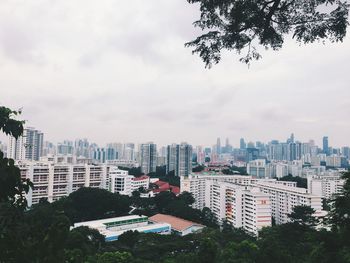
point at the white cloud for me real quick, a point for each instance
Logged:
(116, 71)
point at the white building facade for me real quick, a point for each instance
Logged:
(119, 181)
(246, 201)
(53, 181)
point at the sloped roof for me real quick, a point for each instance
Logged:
(176, 223)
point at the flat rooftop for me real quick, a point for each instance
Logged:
(104, 222)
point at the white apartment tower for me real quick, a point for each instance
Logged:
(29, 146)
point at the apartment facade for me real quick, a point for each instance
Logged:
(230, 198)
(119, 181)
(179, 159)
(284, 198)
(325, 185)
(148, 157)
(246, 201)
(53, 181)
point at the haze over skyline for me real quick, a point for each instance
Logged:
(112, 71)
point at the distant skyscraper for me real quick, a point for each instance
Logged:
(48, 149)
(81, 147)
(346, 151)
(242, 144)
(251, 145)
(218, 146)
(325, 145)
(100, 155)
(200, 155)
(171, 158)
(252, 154)
(228, 147)
(291, 138)
(148, 157)
(65, 148)
(179, 159)
(29, 146)
(111, 154)
(129, 152)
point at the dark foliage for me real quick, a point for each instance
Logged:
(301, 182)
(198, 169)
(243, 25)
(92, 203)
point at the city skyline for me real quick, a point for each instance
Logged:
(232, 142)
(86, 72)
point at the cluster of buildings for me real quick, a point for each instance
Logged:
(55, 180)
(248, 202)
(272, 159)
(31, 147)
(278, 169)
(277, 151)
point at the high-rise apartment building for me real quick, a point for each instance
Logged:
(100, 155)
(200, 155)
(29, 146)
(179, 159)
(81, 147)
(284, 198)
(230, 198)
(346, 152)
(65, 148)
(218, 146)
(325, 185)
(242, 144)
(148, 157)
(325, 145)
(208, 190)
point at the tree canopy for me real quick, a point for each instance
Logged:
(301, 182)
(243, 25)
(12, 186)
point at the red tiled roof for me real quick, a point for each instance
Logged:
(176, 223)
(162, 185)
(175, 189)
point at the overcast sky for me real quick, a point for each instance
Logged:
(117, 71)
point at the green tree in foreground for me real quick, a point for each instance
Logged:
(340, 211)
(111, 257)
(243, 25)
(304, 215)
(12, 186)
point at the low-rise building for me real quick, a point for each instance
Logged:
(179, 226)
(53, 181)
(121, 182)
(112, 228)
